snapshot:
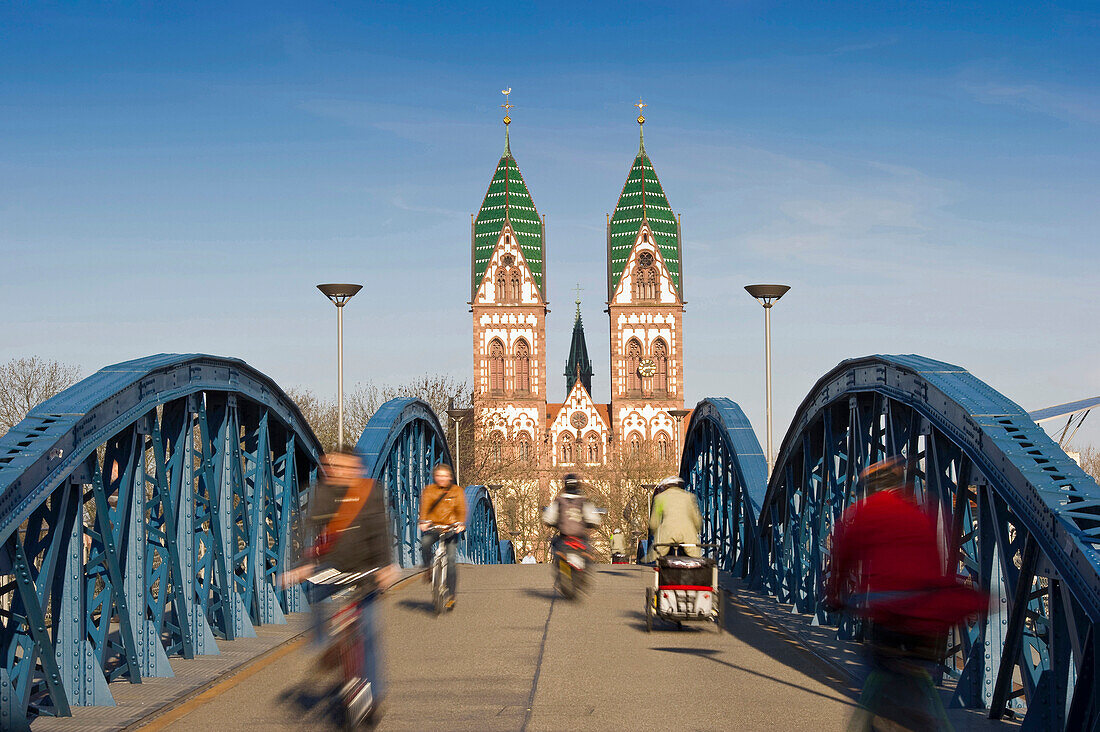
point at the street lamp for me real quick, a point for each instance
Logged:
(678, 415)
(339, 294)
(457, 415)
(767, 295)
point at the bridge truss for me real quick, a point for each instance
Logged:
(1018, 517)
(144, 512)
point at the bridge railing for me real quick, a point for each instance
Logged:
(1020, 517)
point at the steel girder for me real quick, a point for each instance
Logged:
(1018, 517)
(723, 464)
(400, 445)
(143, 512)
(481, 545)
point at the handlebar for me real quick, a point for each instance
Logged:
(446, 529)
(701, 546)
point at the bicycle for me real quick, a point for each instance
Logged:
(346, 645)
(441, 569)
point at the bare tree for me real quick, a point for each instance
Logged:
(27, 382)
(1090, 462)
(362, 402)
(623, 486)
(321, 414)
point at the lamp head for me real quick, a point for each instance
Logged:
(767, 293)
(339, 293)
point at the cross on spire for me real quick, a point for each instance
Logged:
(507, 105)
(641, 105)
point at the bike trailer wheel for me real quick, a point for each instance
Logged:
(649, 599)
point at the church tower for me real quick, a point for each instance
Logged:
(508, 302)
(645, 303)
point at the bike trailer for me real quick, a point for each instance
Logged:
(686, 587)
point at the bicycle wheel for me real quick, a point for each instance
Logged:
(438, 587)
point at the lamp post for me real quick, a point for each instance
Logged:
(456, 416)
(767, 295)
(678, 415)
(339, 294)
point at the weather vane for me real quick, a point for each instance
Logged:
(507, 105)
(641, 105)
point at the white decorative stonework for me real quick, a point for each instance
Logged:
(487, 291)
(579, 423)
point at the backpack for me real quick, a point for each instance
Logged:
(571, 516)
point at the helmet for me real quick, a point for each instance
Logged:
(572, 484)
(672, 481)
(883, 475)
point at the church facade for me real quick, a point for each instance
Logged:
(509, 304)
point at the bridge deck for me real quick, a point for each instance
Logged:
(511, 657)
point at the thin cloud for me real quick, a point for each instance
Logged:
(1059, 103)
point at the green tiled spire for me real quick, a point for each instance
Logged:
(508, 201)
(642, 200)
(578, 365)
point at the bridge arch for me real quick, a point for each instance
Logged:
(400, 445)
(1020, 517)
(482, 545)
(722, 463)
(157, 498)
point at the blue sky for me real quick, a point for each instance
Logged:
(177, 178)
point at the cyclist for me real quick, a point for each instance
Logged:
(571, 513)
(888, 568)
(674, 518)
(348, 516)
(442, 506)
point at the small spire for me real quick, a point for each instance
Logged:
(641, 121)
(578, 290)
(507, 120)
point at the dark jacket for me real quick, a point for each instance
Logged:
(366, 542)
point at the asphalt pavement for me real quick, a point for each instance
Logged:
(512, 656)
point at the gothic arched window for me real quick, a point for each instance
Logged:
(645, 278)
(496, 366)
(524, 447)
(516, 281)
(663, 446)
(496, 446)
(635, 443)
(523, 366)
(592, 445)
(633, 361)
(501, 281)
(566, 448)
(660, 357)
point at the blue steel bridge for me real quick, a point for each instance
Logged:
(146, 512)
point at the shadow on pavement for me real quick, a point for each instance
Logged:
(540, 594)
(423, 606)
(637, 622)
(708, 653)
(758, 633)
(316, 704)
